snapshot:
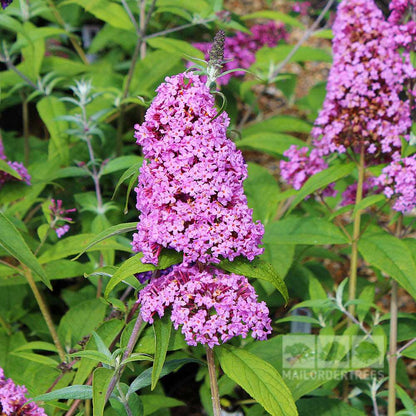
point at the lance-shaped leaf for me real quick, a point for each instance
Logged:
(259, 379)
(12, 241)
(258, 269)
(391, 255)
(162, 329)
(321, 180)
(109, 232)
(303, 230)
(100, 382)
(5, 167)
(134, 265)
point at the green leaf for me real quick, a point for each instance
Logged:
(145, 378)
(130, 267)
(72, 245)
(258, 184)
(63, 66)
(12, 241)
(33, 34)
(259, 379)
(37, 358)
(298, 318)
(37, 345)
(107, 331)
(280, 256)
(155, 402)
(269, 57)
(258, 269)
(274, 15)
(323, 34)
(120, 163)
(410, 351)
(273, 144)
(100, 382)
(303, 230)
(129, 173)
(193, 6)
(5, 167)
(321, 180)
(324, 406)
(67, 393)
(152, 70)
(102, 348)
(49, 109)
(34, 52)
(75, 324)
(10, 23)
(278, 124)
(162, 328)
(96, 356)
(391, 255)
(367, 298)
(107, 11)
(69, 172)
(134, 265)
(407, 401)
(368, 202)
(109, 232)
(175, 46)
(137, 356)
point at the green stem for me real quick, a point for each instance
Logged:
(215, 396)
(5, 325)
(45, 313)
(130, 346)
(25, 116)
(392, 351)
(124, 401)
(356, 233)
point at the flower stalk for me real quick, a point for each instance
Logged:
(393, 352)
(130, 346)
(391, 406)
(352, 289)
(45, 312)
(215, 397)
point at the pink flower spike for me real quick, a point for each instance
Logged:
(209, 306)
(190, 193)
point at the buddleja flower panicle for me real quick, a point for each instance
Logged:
(209, 306)
(190, 194)
(365, 106)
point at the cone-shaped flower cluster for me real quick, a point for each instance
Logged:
(190, 197)
(240, 49)
(190, 191)
(209, 305)
(12, 399)
(364, 106)
(18, 167)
